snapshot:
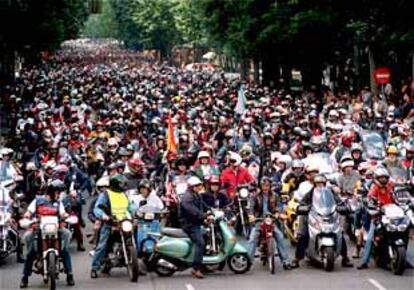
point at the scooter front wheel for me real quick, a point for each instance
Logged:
(239, 263)
(329, 259)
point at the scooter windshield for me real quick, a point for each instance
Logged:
(323, 201)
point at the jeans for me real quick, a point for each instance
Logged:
(278, 236)
(32, 250)
(196, 235)
(368, 244)
(100, 249)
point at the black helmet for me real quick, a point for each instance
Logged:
(55, 185)
(181, 161)
(117, 183)
(145, 183)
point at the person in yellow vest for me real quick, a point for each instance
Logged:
(112, 204)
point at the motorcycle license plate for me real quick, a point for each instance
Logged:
(149, 216)
(327, 242)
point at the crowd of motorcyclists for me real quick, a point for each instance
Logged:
(113, 131)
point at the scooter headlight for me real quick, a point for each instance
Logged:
(126, 226)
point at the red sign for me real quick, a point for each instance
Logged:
(382, 75)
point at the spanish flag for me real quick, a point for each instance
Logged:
(171, 144)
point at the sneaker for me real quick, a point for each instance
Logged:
(94, 274)
(294, 264)
(24, 282)
(347, 263)
(92, 253)
(69, 280)
(287, 266)
(363, 266)
(197, 274)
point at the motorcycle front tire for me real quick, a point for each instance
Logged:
(51, 270)
(133, 270)
(329, 260)
(398, 262)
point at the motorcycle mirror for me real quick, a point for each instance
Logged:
(143, 202)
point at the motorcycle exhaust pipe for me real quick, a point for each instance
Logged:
(166, 264)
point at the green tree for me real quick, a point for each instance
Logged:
(156, 24)
(102, 25)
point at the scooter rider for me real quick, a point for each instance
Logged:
(117, 204)
(145, 193)
(192, 214)
(319, 181)
(381, 193)
(39, 204)
(260, 204)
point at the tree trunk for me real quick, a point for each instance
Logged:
(371, 62)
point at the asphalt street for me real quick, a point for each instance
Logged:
(306, 277)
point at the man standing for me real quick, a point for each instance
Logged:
(193, 212)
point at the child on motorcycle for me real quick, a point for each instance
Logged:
(261, 204)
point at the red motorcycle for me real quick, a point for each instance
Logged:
(267, 243)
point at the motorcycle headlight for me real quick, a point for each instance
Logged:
(391, 227)
(126, 226)
(244, 193)
(49, 229)
(149, 216)
(402, 227)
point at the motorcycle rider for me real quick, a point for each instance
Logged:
(392, 159)
(319, 181)
(192, 213)
(262, 203)
(215, 197)
(380, 193)
(112, 203)
(7, 169)
(235, 175)
(38, 205)
(146, 193)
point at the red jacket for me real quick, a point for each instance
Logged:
(382, 194)
(231, 179)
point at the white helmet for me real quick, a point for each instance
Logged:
(347, 163)
(203, 154)
(285, 159)
(30, 166)
(297, 163)
(50, 164)
(112, 142)
(193, 181)
(235, 157)
(103, 182)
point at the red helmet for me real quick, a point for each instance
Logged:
(135, 165)
(347, 139)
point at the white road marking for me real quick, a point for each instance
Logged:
(189, 287)
(375, 283)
